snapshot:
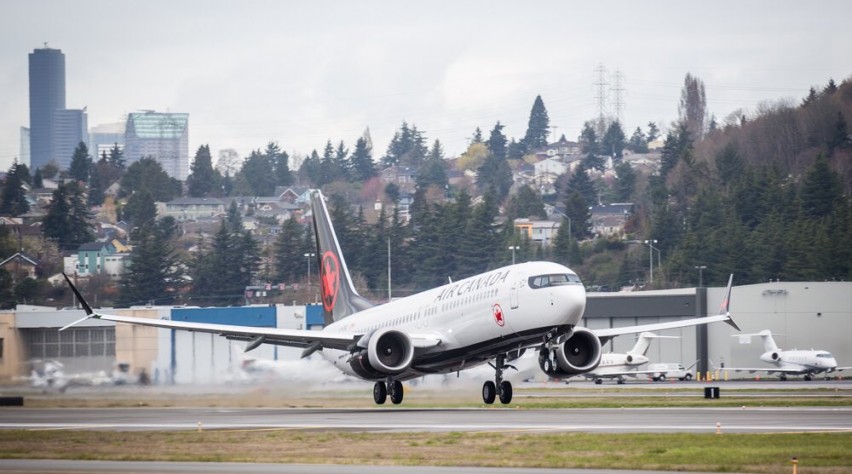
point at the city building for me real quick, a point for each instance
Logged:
(69, 130)
(163, 136)
(47, 95)
(24, 154)
(102, 138)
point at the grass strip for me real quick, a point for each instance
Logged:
(822, 453)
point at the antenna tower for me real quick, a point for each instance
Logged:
(618, 90)
(601, 94)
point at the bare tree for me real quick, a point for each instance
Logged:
(693, 106)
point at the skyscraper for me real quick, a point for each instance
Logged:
(69, 129)
(47, 95)
(163, 136)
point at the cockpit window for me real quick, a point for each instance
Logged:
(557, 279)
(825, 355)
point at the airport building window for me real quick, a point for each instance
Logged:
(1, 348)
(73, 342)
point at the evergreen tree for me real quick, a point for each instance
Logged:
(693, 106)
(840, 134)
(38, 181)
(361, 161)
(148, 174)
(116, 157)
(68, 219)
(477, 136)
(653, 132)
(811, 98)
(341, 161)
(574, 226)
(140, 211)
(821, 190)
(281, 163)
(830, 88)
(203, 180)
(14, 198)
(432, 174)
(638, 142)
(581, 183)
(81, 163)
(539, 126)
(524, 204)
(312, 169)
(497, 142)
(154, 271)
(494, 176)
(589, 139)
(613, 142)
(626, 183)
(221, 274)
(257, 176)
(289, 255)
(478, 249)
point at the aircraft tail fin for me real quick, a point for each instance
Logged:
(339, 297)
(769, 344)
(644, 341)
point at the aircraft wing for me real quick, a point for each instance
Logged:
(277, 336)
(723, 316)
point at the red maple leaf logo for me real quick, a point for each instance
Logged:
(330, 280)
(498, 315)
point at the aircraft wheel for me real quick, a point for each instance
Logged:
(506, 392)
(783, 376)
(598, 381)
(489, 392)
(380, 393)
(807, 377)
(620, 382)
(396, 392)
(687, 377)
(661, 378)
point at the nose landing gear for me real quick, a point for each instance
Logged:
(499, 387)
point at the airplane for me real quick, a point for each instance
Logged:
(617, 366)
(491, 318)
(790, 362)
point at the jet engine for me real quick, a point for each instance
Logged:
(389, 352)
(629, 358)
(579, 354)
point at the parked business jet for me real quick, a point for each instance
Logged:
(617, 366)
(792, 362)
(488, 318)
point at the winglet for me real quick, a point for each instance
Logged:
(83, 303)
(725, 308)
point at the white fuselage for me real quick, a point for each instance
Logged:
(475, 319)
(805, 362)
(615, 365)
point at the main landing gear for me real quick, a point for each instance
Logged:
(499, 387)
(382, 390)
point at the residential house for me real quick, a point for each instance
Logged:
(609, 219)
(91, 258)
(20, 266)
(541, 232)
(403, 176)
(190, 209)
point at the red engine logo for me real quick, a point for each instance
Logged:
(330, 280)
(498, 315)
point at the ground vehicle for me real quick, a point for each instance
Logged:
(660, 372)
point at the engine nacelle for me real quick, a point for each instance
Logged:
(390, 351)
(579, 354)
(775, 356)
(629, 358)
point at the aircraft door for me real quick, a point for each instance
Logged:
(513, 295)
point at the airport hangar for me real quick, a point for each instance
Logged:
(804, 315)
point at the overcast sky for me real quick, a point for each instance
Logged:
(300, 73)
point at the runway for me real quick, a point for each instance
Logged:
(593, 420)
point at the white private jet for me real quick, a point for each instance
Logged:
(792, 362)
(489, 318)
(617, 366)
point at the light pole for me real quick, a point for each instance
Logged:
(651, 256)
(513, 248)
(701, 269)
(308, 257)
